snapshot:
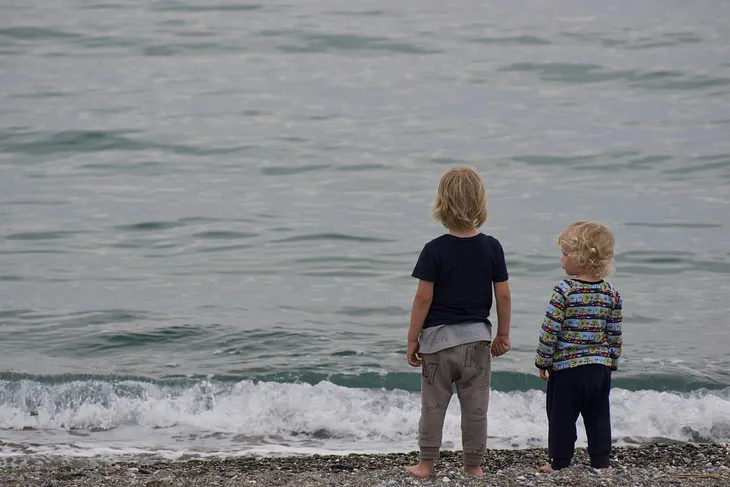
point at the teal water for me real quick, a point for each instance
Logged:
(208, 208)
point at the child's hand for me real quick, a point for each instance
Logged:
(544, 374)
(500, 346)
(414, 358)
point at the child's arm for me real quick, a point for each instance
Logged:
(503, 297)
(614, 333)
(421, 304)
(551, 326)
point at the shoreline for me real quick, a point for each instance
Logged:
(641, 466)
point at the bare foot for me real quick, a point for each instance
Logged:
(474, 470)
(547, 469)
(422, 470)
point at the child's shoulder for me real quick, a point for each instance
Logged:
(565, 286)
(448, 240)
(612, 289)
(491, 239)
(568, 286)
(434, 244)
(436, 240)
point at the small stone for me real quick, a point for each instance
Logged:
(521, 477)
(447, 480)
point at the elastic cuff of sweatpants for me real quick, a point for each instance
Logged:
(560, 463)
(429, 452)
(602, 461)
(473, 460)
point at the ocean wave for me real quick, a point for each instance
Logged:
(212, 417)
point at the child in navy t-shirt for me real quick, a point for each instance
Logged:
(450, 334)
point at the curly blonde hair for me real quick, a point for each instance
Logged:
(590, 245)
(461, 201)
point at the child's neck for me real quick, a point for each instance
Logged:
(463, 232)
(588, 277)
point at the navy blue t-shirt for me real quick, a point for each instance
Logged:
(463, 271)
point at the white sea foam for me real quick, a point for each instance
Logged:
(97, 418)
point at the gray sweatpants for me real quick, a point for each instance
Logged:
(469, 367)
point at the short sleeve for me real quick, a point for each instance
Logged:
(425, 269)
(499, 272)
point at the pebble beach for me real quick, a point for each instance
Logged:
(644, 466)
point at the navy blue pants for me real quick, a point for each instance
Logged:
(582, 390)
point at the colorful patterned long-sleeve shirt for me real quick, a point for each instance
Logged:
(582, 326)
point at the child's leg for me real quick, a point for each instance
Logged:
(563, 408)
(472, 388)
(436, 391)
(596, 413)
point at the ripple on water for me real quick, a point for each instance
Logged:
(35, 33)
(151, 226)
(84, 141)
(230, 8)
(319, 43)
(46, 235)
(581, 73)
(331, 237)
(654, 262)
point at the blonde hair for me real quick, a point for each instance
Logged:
(590, 245)
(461, 201)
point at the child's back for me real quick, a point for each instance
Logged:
(582, 326)
(450, 331)
(580, 344)
(463, 270)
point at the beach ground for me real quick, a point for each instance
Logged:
(644, 466)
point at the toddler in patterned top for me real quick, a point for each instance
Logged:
(580, 345)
